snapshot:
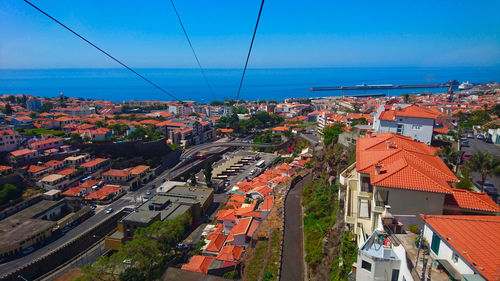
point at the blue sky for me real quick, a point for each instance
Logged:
(291, 33)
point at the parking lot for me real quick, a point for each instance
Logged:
(478, 145)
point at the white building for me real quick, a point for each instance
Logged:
(407, 120)
(466, 247)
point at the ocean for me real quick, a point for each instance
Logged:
(187, 84)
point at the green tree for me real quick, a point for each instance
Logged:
(406, 98)
(8, 109)
(331, 133)
(131, 274)
(9, 192)
(484, 164)
(360, 121)
(46, 107)
(192, 180)
(75, 138)
(207, 171)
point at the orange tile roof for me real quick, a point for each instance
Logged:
(216, 243)
(94, 162)
(104, 192)
(228, 214)
(472, 200)
(73, 191)
(268, 203)
(281, 129)
(66, 172)
(230, 253)
(253, 226)
(116, 173)
(53, 163)
(4, 168)
(88, 183)
(21, 152)
(405, 164)
(138, 169)
(198, 264)
(242, 226)
(36, 168)
(416, 111)
(46, 141)
(475, 239)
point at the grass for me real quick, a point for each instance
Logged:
(42, 131)
(319, 200)
(255, 266)
(272, 264)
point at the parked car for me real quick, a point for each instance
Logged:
(480, 137)
(28, 250)
(489, 187)
(470, 135)
(465, 142)
(148, 192)
(109, 210)
(466, 156)
(488, 140)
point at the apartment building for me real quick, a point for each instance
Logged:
(9, 139)
(46, 144)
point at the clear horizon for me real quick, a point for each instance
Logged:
(291, 34)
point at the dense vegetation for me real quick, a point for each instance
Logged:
(320, 202)
(348, 253)
(147, 254)
(258, 121)
(331, 133)
(9, 192)
(147, 133)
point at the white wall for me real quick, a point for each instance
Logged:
(446, 252)
(409, 202)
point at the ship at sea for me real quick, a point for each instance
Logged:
(465, 86)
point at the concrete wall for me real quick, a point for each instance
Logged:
(410, 124)
(409, 202)
(64, 253)
(380, 269)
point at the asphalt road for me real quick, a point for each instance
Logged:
(292, 267)
(477, 145)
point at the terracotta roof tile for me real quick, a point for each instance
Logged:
(475, 239)
(472, 200)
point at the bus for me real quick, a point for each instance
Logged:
(261, 164)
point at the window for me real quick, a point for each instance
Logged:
(395, 275)
(366, 265)
(454, 257)
(435, 243)
(400, 129)
(416, 127)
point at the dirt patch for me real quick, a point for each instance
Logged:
(69, 275)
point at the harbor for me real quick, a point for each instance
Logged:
(364, 86)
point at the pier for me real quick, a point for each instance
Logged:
(385, 87)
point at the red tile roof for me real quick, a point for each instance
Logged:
(475, 239)
(36, 169)
(268, 203)
(242, 226)
(230, 253)
(116, 173)
(472, 200)
(94, 162)
(405, 164)
(198, 264)
(104, 192)
(216, 243)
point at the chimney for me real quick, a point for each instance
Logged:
(391, 145)
(387, 217)
(378, 167)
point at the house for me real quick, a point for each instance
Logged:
(54, 165)
(36, 171)
(280, 130)
(107, 192)
(95, 165)
(22, 121)
(23, 154)
(121, 177)
(407, 120)
(242, 232)
(143, 173)
(467, 247)
(75, 161)
(198, 264)
(46, 144)
(9, 139)
(33, 104)
(5, 170)
(100, 134)
(396, 171)
(53, 181)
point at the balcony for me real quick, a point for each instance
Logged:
(366, 187)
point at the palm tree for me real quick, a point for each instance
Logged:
(450, 155)
(485, 164)
(406, 98)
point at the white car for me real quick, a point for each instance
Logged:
(109, 210)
